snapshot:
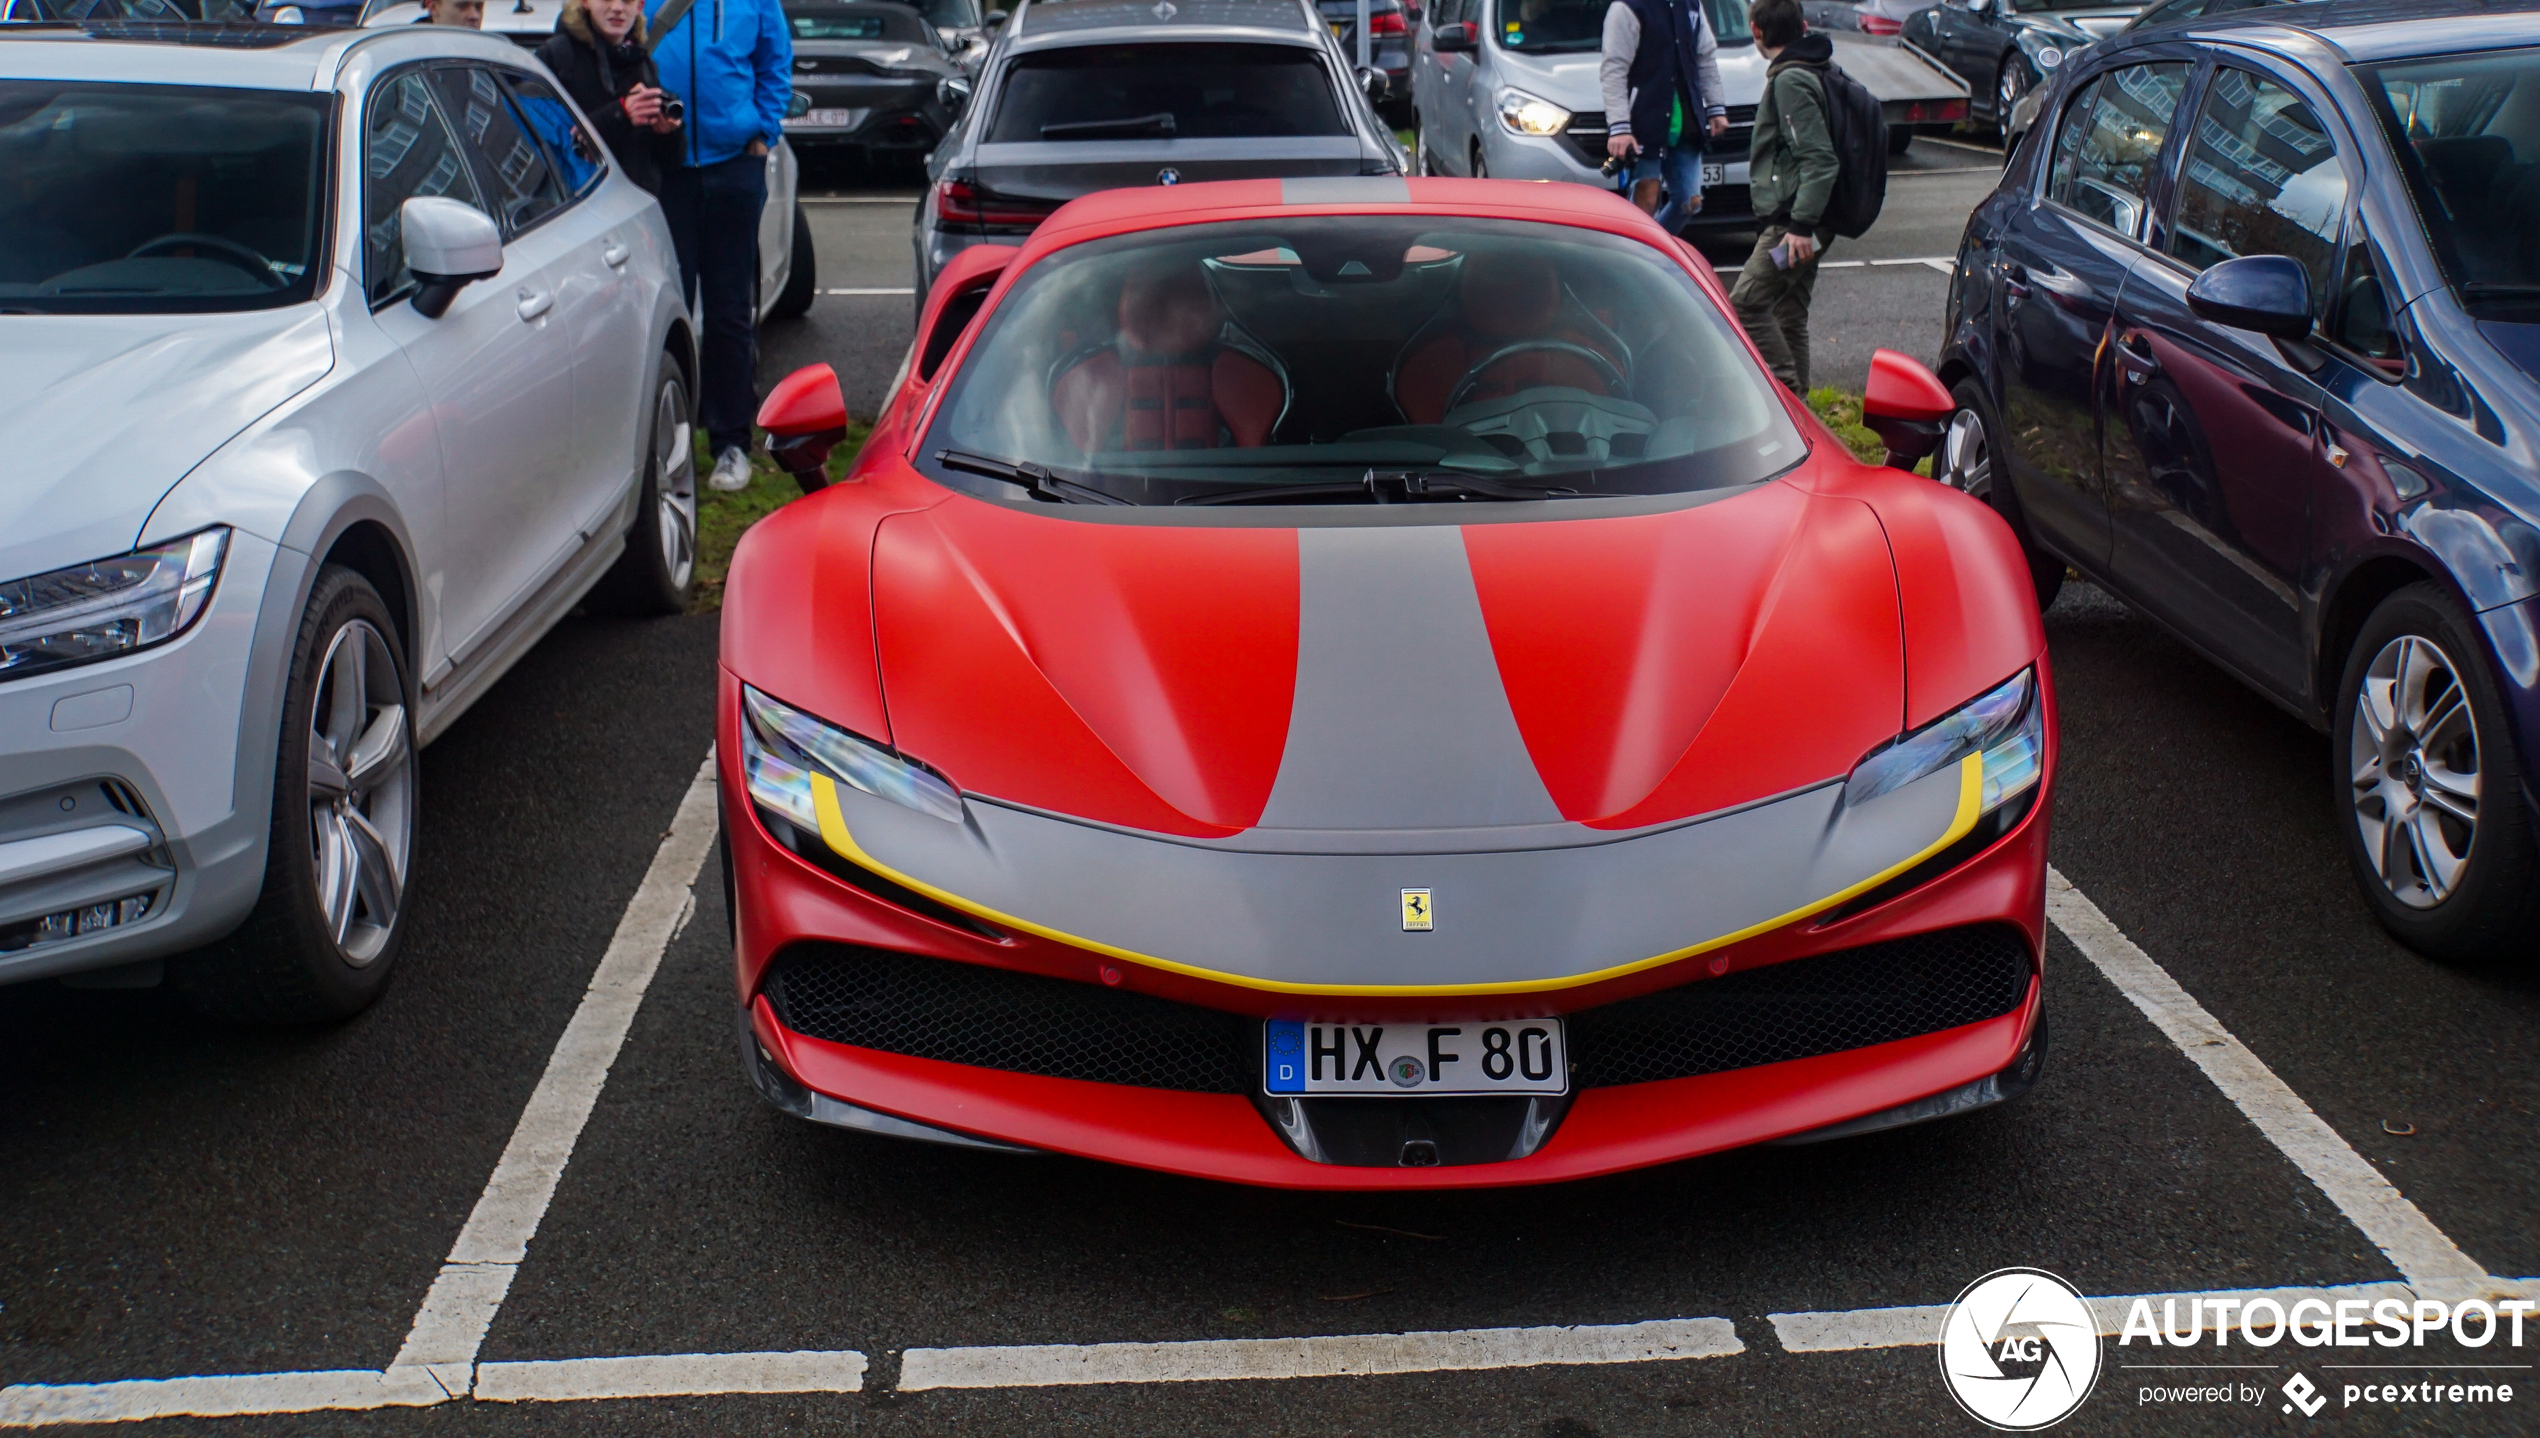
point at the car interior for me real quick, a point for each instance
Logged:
(2474, 124)
(146, 197)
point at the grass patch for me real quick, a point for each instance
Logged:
(721, 518)
(1841, 410)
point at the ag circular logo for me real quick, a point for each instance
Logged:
(2019, 1349)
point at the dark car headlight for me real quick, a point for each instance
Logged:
(786, 755)
(2007, 725)
(108, 607)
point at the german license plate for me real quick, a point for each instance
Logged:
(829, 119)
(1711, 174)
(1398, 1059)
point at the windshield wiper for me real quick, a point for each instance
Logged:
(1393, 486)
(1032, 477)
(1159, 123)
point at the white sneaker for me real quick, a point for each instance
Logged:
(731, 470)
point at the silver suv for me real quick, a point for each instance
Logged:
(335, 366)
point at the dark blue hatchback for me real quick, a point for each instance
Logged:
(2250, 335)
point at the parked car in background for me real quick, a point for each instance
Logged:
(870, 71)
(2172, 12)
(335, 368)
(1085, 95)
(1508, 89)
(2003, 48)
(1869, 17)
(1388, 48)
(177, 11)
(788, 278)
(2250, 335)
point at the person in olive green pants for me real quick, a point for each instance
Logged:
(1791, 169)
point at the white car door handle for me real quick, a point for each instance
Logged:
(615, 255)
(534, 305)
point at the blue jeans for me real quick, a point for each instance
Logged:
(713, 212)
(1680, 166)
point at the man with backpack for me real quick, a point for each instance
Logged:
(1793, 164)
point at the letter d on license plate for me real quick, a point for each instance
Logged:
(1398, 1059)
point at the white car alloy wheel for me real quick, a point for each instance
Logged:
(361, 792)
(2413, 755)
(1966, 458)
(675, 482)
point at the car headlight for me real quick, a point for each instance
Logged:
(782, 748)
(2007, 726)
(2048, 57)
(1528, 115)
(109, 606)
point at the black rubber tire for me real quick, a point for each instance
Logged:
(1900, 138)
(2493, 915)
(282, 966)
(640, 584)
(1481, 169)
(2016, 72)
(802, 283)
(2046, 572)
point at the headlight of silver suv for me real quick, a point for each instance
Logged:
(1528, 115)
(109, 606)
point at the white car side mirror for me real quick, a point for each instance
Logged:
(449, 244)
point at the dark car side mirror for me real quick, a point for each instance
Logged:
(1462, 35)
(805, 416)
(952, 92)
(1905, 405)
(1375, 84)
(2270, 294)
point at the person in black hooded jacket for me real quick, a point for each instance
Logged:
(598, 53)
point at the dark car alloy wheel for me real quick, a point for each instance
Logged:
(2015, 81)
(2439, 838)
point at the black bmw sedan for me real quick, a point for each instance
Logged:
(2250, 336)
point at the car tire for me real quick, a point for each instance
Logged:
(2012, 79)
(2420, 734)
(324, 935)
(1970, 460)
(1481, 167)
(658, 572)
(802, 282)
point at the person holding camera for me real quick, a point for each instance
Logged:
(1660, 75)
(599, 57)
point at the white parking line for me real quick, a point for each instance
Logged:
(2420, 1251)
(36, 1405)
(882, 290)
(676, 1375)
(1353, 1355)
(451, 1325)
(1920, 1327)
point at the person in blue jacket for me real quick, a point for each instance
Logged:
(730, 62)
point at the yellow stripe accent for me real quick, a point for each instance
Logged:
(833, 830)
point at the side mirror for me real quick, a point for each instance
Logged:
(805, 416)
(1375, 84)
(798, 106)
(1905, 405)
(952, 92)
(449, 245)
(1462, 35)
(995, 18)
(2270, 294)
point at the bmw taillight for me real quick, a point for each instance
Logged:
(1388, 23)
(960, 203)
(1881, 25)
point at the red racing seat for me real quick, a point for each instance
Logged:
(1504, 301)
(1178, 375)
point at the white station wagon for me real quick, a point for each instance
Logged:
(335, 367)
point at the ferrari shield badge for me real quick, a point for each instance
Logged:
(1416, 912)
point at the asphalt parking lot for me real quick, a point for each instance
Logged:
(184, 1200)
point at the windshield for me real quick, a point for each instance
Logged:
(1165, 92)
(2469, 126)
(1347, 359)
(856, 22)
(154, 198)
(1559, 27)
(2029, 6)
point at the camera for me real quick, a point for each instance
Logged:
(673, 109)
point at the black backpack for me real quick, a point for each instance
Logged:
(1859, 128)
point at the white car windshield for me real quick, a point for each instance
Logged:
(155, 198)
(1337, 359)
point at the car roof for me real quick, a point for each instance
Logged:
(2370, 31)
(244, 56)
(1160, 19)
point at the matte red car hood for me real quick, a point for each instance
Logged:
(1421, 676)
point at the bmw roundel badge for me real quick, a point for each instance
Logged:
(1168, 176)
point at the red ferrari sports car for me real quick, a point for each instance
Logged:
(1370, 684)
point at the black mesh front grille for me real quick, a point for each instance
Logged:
(1825, 1004)
(999, 1019)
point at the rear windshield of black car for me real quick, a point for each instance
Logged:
(155, 199)
(1167, 92)
(2469, 127)
(856, 22)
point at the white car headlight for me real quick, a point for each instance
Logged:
(782, 748)
(1527, 115)
(2007, 726)
(109, 606)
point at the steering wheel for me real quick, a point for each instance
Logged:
(1605, 368)
(221, 248)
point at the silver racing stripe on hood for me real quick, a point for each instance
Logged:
(1401, 719)
(1505, 921)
